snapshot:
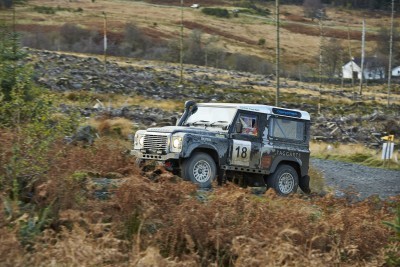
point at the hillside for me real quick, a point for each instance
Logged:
(158, 22)
(71, 194)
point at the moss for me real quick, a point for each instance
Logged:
(79, 176)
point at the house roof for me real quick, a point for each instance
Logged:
(369, 61)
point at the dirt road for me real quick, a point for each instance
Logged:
(367, 181)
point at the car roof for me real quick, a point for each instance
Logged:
(285, 112)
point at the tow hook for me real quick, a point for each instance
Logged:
(168, 166)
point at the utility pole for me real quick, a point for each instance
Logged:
(390, 54)
(277, 52)
(362, 57)
(321, 43)
(181, 47)
(351, 57)
(105, 40)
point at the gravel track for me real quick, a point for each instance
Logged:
(366, 181)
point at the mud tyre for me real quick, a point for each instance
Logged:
(284, 180)
(200, 169)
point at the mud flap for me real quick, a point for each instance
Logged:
(304, 184)
(221, 178)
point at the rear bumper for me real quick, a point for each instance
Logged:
(141, 155)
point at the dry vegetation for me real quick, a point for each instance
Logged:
(155, 219)
(354, 153)
(299, 39)
(53, 216)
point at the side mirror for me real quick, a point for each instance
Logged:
(238, 127)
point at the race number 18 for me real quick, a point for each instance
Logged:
(241, 152)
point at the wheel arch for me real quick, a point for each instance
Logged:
(207, 150)
(304, 180)
(294, 164)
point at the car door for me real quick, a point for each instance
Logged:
(245, 141)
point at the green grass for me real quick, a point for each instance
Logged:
(363, 159)
(52, 10)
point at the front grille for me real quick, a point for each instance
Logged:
(156, 142)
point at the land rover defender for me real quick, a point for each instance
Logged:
(259, 145)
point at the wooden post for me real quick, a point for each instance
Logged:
(351, 57)
(362, 57)
(105, 40)
(390, 55)
(320, 63)
(277, 52)
(181, 47)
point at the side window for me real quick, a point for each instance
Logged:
(283, 128)
(249, 124)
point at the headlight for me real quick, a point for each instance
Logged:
(176, 143)
(139, 140)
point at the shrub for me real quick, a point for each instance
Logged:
(250, 7)
(119, 127)
(44, 9)
(218, 12)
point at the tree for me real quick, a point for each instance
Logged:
(134, 42)
(10, 3)
(10, 70)
(194, 53)
(27, 112)
(332, 53)
(313, 9)
(383, 44)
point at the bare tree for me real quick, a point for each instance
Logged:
(208, 47)
(194, 53)
(313, 9)
(134, 42)
(332, 53)
(350, 55)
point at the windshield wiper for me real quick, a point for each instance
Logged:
(200, 122)
(220, 123)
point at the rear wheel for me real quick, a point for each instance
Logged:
(284, 180)
(200, 169)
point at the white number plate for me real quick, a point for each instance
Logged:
(241, 153)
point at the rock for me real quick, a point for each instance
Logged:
(85, 134)
(76, 86)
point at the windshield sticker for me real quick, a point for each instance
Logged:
(288, 154)
(205, 139)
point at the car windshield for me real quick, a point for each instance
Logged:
(211, 116)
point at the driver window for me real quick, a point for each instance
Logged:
(249, 124)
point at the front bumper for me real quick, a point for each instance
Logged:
(143, 155)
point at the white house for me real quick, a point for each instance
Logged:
(374, 69)
(396, 72)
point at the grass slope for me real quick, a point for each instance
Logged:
(299, 36)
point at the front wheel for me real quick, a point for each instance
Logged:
(200, 169)
(284, 180)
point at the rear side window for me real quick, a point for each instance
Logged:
(283, 128)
